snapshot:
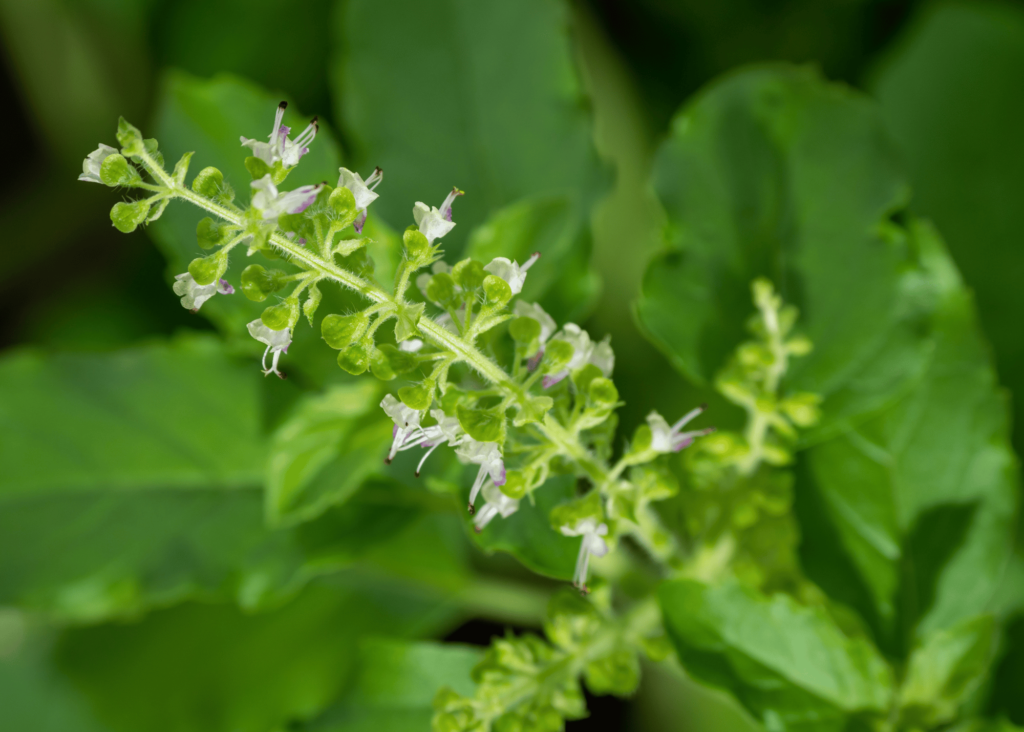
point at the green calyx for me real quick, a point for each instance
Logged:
(569, 515)
(418, 396)
(210, 183)
(130, 138)
(341, 331)
(210, 233)
(441, 289)
(281, 316)
(557, 356)
(127, 216)
(524, 330)
(207, 270)
(497, 290)
(258, 283)
(483, 425)
(115, 171)
(356, 358)
(469, 274)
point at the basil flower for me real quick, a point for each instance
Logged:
(280, 148)
(92, 164)
(277, 342)
(488, 456)
(593, 544)
(434, 223)
(497, 504)
(511, 272)
(271, 203)
(665, 439)
(585, 352)
(362, 191)
(193, 295)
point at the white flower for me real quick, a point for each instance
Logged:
(193, 295)
(497, 503)
(408, 433)
(434, 223)
(525, 309)
(592, 543)
(91, 165)
(584, 351)
(413, 345)
(511, 272)
(271, 203)
(361, 190)
(488, 457)
(277, 342)
(666, 439)
(280, 148)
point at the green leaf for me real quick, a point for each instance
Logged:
(949, 95)
(324, 451)
(772, 172)
(207, 667)
(135, 478)
(527, 534)
(562, 281)
(507, 119)
(923, 496)
(395, 686)
(947, 667)
(406, 320)
(790, 666)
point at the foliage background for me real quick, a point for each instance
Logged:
(606, 74)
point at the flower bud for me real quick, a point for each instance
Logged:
(557, 355)
(469, 274)
(130, 138)
(210, 234)
(418, 397)
(208, 183)
(356, 359)
(602, 391)
(441, 288)
(341, 331)
(115, 171)
(207, 270)
(497, 290)
(127, 216)
(524, 330)
(642, 439)
(257, 282)
(583, 377)
(282, 315)
(380, 366)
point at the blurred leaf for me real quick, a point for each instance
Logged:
(773, 172)
(527, 534)
(395, 686)
(924, 495)
(212, 667)
(322, 453)
(791, 666)
(479, 95)
(133, 479)
(949, 94)
(986, 725)
(944, 670)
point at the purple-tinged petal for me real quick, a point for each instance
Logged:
(359, 222)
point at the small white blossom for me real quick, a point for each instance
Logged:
(434, 223)
(271, 203)
(665, 439)
(511, 272)
(361, 190)
(193, 295)
(593, 543)
(585, 352)
(280, 148)
(488, 456)
(277, 342)
(497, 504)
(407, 432)
(413, 345)
(92, 164)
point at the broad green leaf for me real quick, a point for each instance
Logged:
(325, 450)
(986, 725)
(134, 479)
(944, 670)
(790, 666)
(561, 281)
(924, 495)
(208, 667)
(395, 685)
(773, 172)
(949, 96)
(483, 96)
(527, 534)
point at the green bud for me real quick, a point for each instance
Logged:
(797, 346)
(257, 282)
(416, 244)
(406, 320)
(441, 288)
(484, 425)
(401, 362)
(509, 722)
(497, 290)
(802, 408)
(208, 183)
(210, 234)
(127, 216)
(642, 439)
(282, 315)
(207, 270)
(557, 355)
(418, 397)
(129, 137)
(524, 330)
(515, 484)
(580, 509)
(657, 648)
(617, 673)
(469, 274)
(341, 331)
(342, 202)
(356, 359)
(584, 376)
(380, 366)
(256, 167)
(115, 171)
(602, 391)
